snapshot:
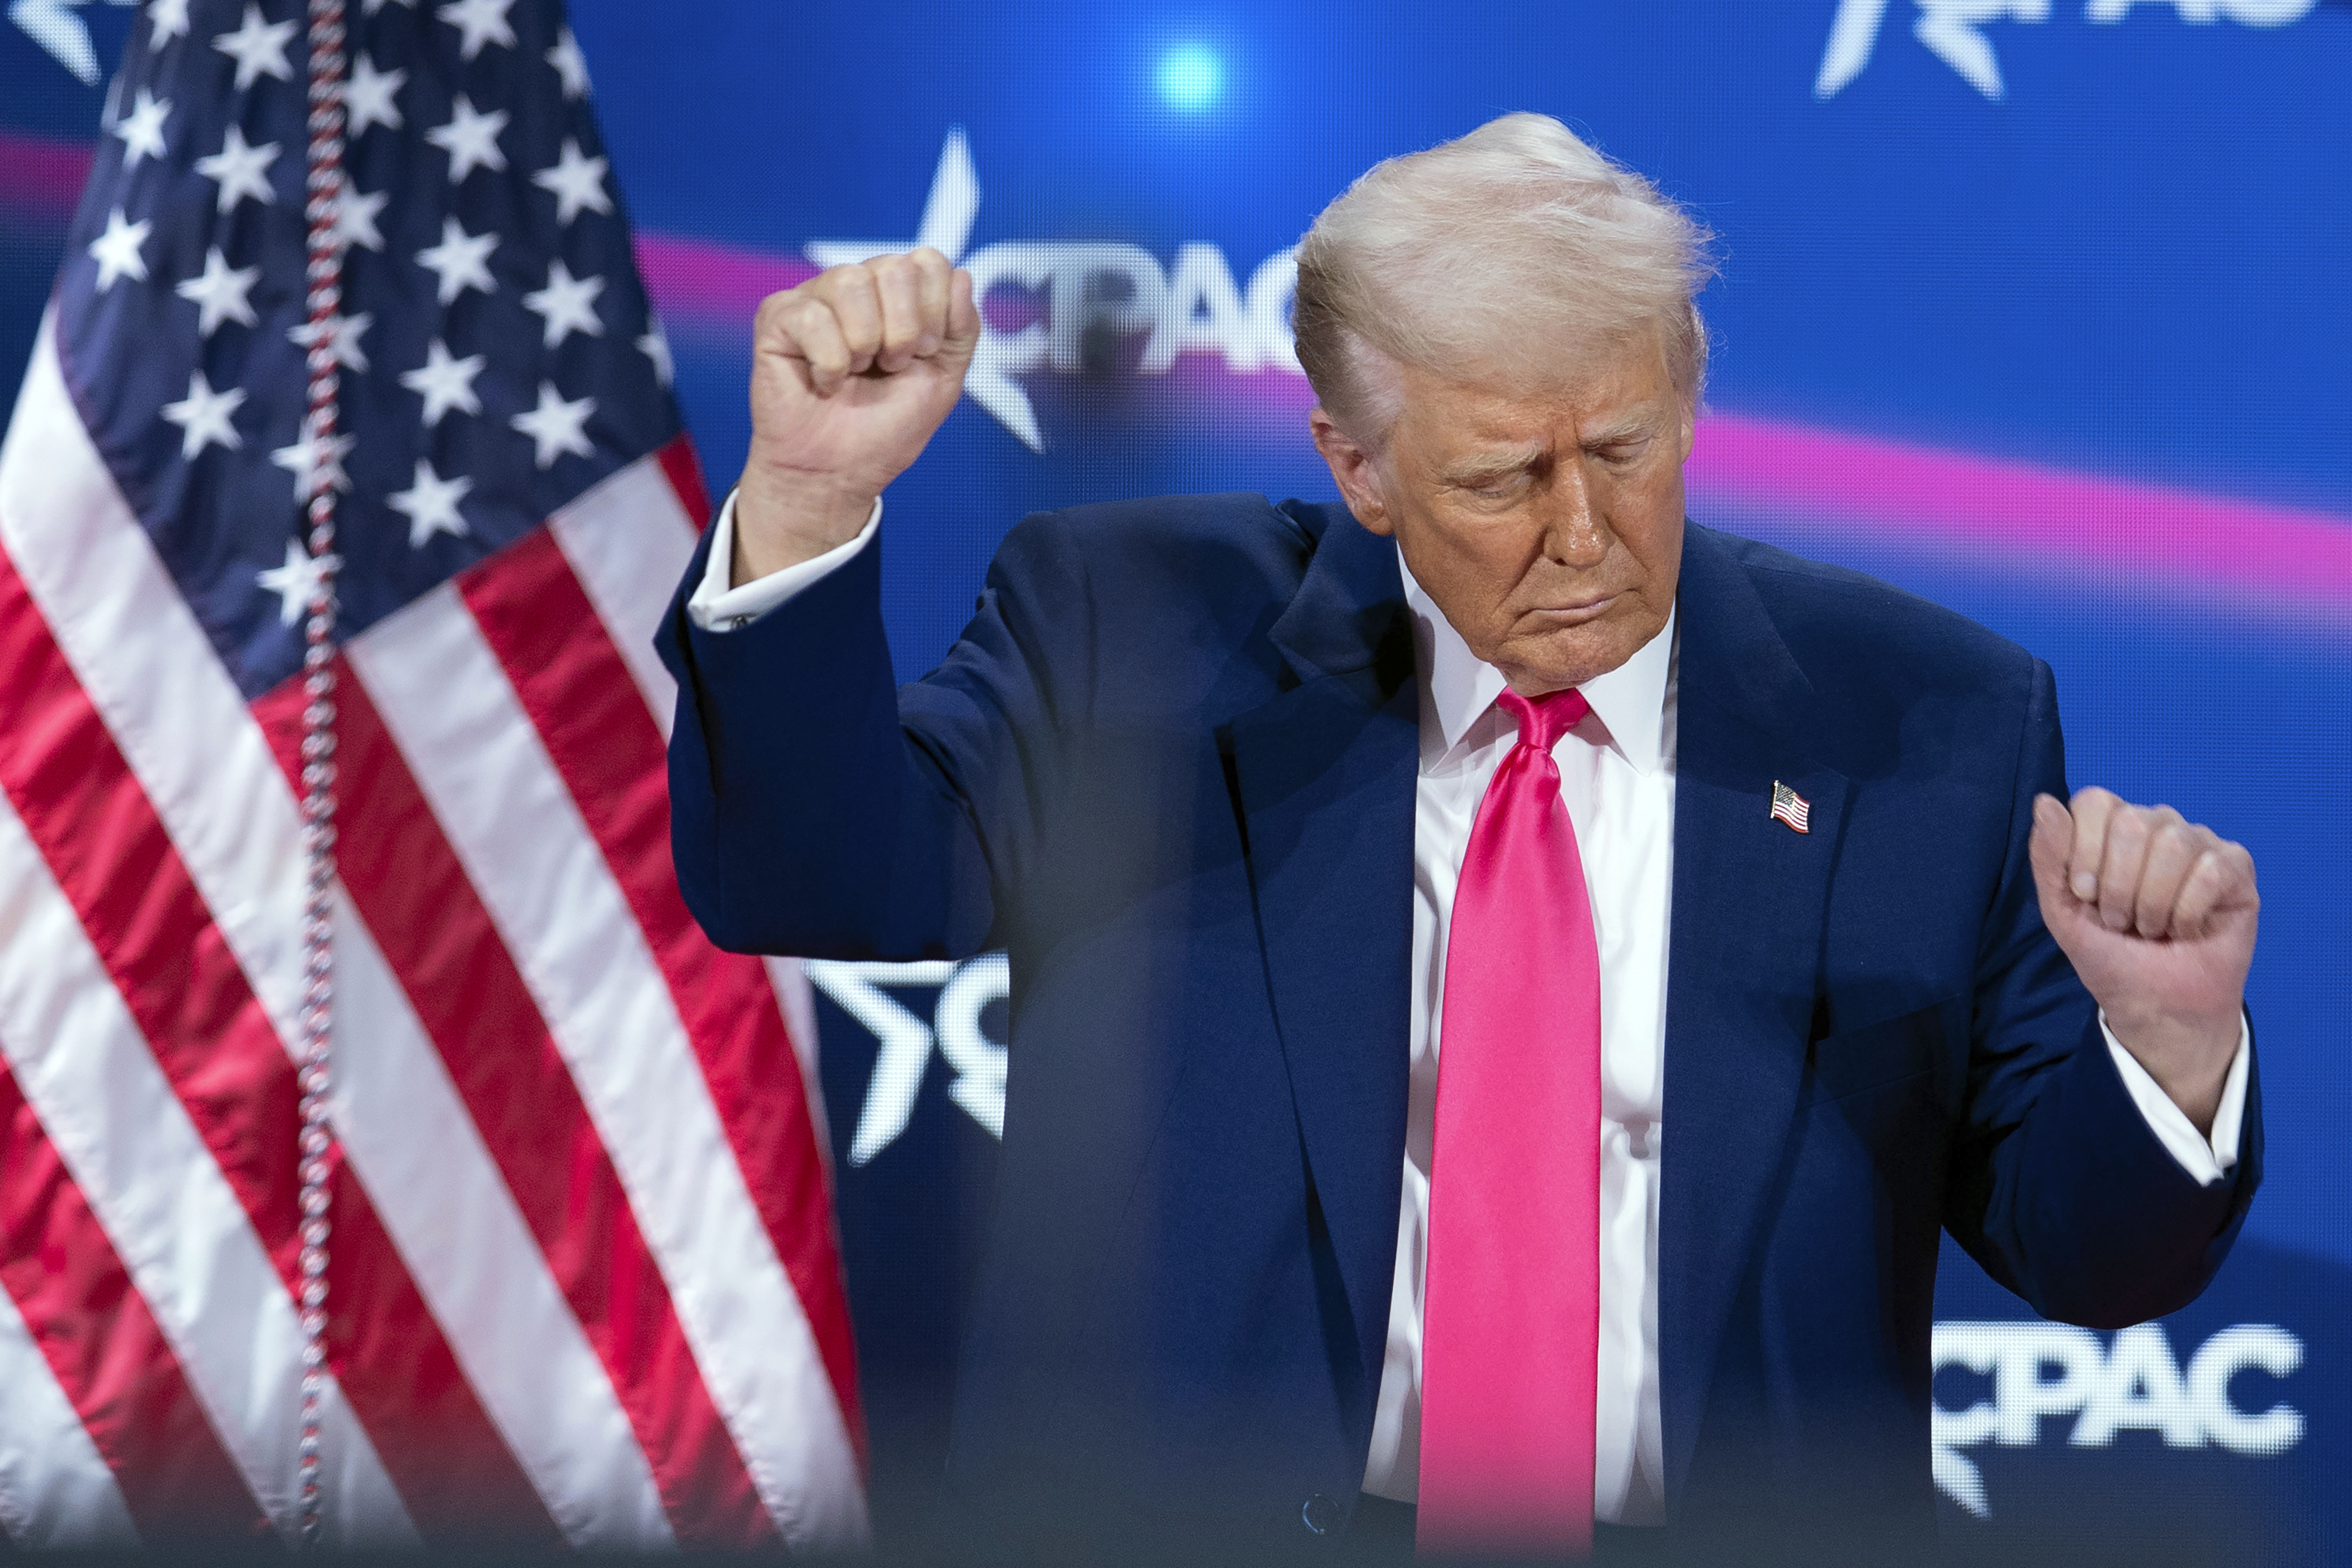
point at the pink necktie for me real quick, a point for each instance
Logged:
(1510, 1320)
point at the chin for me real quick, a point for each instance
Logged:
(1564, 660)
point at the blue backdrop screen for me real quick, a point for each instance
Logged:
(2034, 307)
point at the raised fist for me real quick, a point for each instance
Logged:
(851, 372)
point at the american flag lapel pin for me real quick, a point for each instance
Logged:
(1791, 807)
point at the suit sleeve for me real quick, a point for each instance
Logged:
(814, 810)
(2059, 1187)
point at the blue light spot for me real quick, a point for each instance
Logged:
(1190, 77)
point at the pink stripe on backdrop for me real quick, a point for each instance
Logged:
(40, 177)
(702, 285)
(2025, 519)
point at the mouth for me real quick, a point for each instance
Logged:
(1574, 614)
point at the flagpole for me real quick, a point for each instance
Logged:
(324, 191)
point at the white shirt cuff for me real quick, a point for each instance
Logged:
(2206, 1159)
(716, 605)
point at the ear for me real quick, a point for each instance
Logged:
(1354, 470)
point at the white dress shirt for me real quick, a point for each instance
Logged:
(1617, 779)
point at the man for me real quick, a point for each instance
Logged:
(1643, 822)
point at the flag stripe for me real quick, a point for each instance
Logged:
(627, 563)
(226, 830)
(86, 1369)
(515, 828)
(537, 620)
(473, 1005)
(80, 1061)
(55, 1489)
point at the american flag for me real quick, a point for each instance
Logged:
(1791, 807)
(583, 1282)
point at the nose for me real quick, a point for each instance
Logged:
(1575, 532)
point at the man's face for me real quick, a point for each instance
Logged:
(1548, 527)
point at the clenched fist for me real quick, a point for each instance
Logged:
(851, 372)
(2158, 914)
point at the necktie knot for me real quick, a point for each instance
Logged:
(1544, 719)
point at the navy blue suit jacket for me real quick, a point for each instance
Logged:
(1170, 768)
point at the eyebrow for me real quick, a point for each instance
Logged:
(1483, 467)
(1642, 422)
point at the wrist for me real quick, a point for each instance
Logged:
(2188, 1056)
(783, 520)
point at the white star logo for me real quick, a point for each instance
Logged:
(557, 426)
(461, 261)
(948, 216)
(117, 251)
(482, 22)
(471, 140)
(53, 26)
(166, 20)
(655, 345)
(296, 582)
(239, 170)
(368, 98)
(355, 215)
(143, 129)
(445, 384)
(570, 64)
(259, 48)
(312, 467)
(430, 505)
(1949, 29)
(220, 294)
(567, 304)
(578, 182)
(202, 416)
(342, 335)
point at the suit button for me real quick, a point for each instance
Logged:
(1320, 1515)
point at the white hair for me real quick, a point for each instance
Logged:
(1504, 256)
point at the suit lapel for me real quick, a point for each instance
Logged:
(1323, 777)
(1744, 961)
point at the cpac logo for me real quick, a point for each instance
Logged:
(966, 989)
(1095, 294)
(2041, 1369)
(1949, 30)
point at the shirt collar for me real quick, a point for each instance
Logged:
(1458, 687)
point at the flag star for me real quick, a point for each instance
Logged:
(166, 20)
(570, 64)
(221, 294)
(202, 416)
(311, 467)
(295, 582)
(481, 21)
(567, 304)
(461, 260)
(259, 48)
(368, 98)
(445, 384)
(578, 182)
(240, 171)
(557, 426)
(431, 504)
(143, 129)
(117, 251)
(471, 140)
(355, 215)
(342, 334)
(655, 345)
